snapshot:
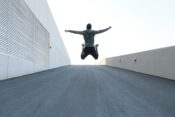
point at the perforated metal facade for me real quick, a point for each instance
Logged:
(21, 33)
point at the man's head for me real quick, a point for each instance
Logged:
(88, 26)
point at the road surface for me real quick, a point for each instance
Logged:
(87, 91)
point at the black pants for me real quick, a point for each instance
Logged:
(89, 50)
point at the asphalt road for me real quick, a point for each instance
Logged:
(87, 91)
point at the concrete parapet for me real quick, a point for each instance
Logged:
(158, 62)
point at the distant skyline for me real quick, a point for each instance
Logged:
(136, 25)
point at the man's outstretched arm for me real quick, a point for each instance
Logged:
(75, 32)
(101, 31)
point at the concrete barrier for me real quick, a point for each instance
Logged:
(159, 62)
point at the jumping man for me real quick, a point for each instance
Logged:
(89, 47)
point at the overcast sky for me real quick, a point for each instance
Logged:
(137, 25)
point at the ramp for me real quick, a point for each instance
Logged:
(87, 91)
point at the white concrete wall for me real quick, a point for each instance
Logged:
(158, 62)
(13, 66)
(58, 53)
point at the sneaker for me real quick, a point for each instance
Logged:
(96, 46)
(83, 45)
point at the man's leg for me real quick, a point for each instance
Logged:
(83, 53)
(94, 53)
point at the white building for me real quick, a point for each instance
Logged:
(29, 39)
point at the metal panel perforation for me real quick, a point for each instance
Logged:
(21, 33)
